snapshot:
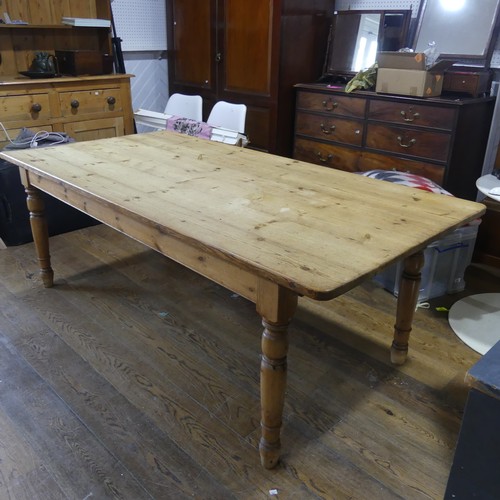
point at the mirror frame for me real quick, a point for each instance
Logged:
(329, 69)
(490, 44)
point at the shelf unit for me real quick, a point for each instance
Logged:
(45, 31)
(100, 106)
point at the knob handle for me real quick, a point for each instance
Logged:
(36, 107)
(75, 104)
(111, 100)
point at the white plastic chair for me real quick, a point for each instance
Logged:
(187, 106)
(228, 115)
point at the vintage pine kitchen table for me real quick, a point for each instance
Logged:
(267, 227)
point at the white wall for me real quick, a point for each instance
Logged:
(141, 25)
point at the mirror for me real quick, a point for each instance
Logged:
(357, 36)
(460, 28)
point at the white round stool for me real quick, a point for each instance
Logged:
(476, 320)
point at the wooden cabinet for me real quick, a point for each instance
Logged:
(87, 107)
(441, 139)
(251, 53)
(45, 32)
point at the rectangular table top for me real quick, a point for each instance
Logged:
(315, 230)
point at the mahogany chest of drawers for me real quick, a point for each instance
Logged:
(438, 138)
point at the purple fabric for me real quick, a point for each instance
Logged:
(189, 127)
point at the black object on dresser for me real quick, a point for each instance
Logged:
(443, 139)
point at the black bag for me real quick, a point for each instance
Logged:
(15, 228)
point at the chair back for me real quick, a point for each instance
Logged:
(187, 106)
(228, 115)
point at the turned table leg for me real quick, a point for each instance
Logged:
(407, 302)
(40, 232)
(276, 305)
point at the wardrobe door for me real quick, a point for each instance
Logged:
(245, 43)
(193, 40)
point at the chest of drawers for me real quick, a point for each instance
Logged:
(84, 107)
(441, 139)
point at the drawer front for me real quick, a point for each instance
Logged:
(412, 114)
(90, 102)
(101, 128)
(330, 128)
(420, 143)
(332, 104)
(326, 155)
(374, 161)
(462, 83)
(29, 108)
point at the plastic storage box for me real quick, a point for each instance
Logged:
(445, 263)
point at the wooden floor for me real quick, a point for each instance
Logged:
(134, 378)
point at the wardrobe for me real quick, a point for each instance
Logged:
(250, 52)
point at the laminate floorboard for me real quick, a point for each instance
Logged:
(135, 378)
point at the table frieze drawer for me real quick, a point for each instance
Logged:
(30, 108)
(90, 102)
(326, 155)
(420, 143)
(412, 114)
(330, 128)
(332, 104)
(373, 161)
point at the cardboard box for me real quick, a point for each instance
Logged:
(405, 73)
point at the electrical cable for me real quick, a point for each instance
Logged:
(41, 135)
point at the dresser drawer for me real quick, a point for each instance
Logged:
(326, 155)
(330, 128)
(90, 102)
(412, 114)
(26, 108)
(373, 161)
(420, 143)
(467, 83)
(332, 104)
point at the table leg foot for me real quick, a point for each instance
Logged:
(407, 302)
(269, 454)
(40, 232)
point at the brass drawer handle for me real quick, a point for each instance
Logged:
(407, 145)
(111, 100)
(75, 104)
(36, 107)
(329, 104)
(326, 130)
(322, 159)
(408, 118)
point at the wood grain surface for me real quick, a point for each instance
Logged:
(316, 231)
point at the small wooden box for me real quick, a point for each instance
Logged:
(473, 83)
(83, 62)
